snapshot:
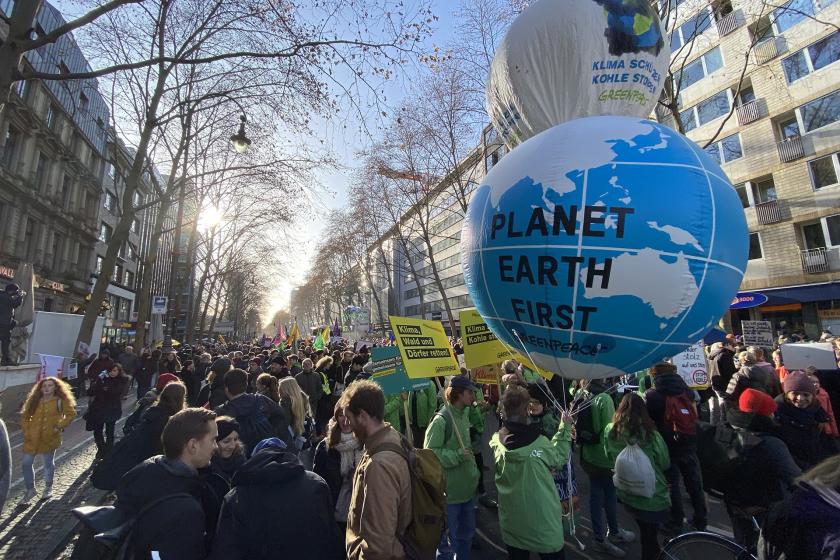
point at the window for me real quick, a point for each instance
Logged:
(99, 260)
(742, 194)
(755, 247)
(83, 101)
(820, 112)
(52, 117)
(129, 278)
(62, 68)
(825, 171)
(764, 191)
(137, 199)
(135, 225)
(726, 150)
(700, 68)
(22, 87)
(11, 144)
(714, 107)
(110, 202)
(105, 232)
(42, 170)
(792, 13)
(746, 95)
(110, 168)
(29, 241)
(691, 29)
(813, 236)
(810, 59)
(824, 233)
(117, 276)
(832, 224)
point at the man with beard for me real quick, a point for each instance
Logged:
(380, 506)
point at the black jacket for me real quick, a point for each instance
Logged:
(106, 405)
(153, 479)
(722, 366)
(277, 509)
(327, 465)
(665, 385)
(800, 430)
(752, 377)
(213, 393)
(192, 382)
(803, 527)
(247, 405)
(8, 303)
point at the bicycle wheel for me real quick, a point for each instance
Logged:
(701, 545)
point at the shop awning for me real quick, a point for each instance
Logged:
(802, 294)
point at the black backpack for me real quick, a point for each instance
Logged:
(254, 428)
(585, 424)
(107, 531)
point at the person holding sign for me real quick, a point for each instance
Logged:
(448, 435)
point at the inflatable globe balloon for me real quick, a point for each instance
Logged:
(563, 60)
(603, 245)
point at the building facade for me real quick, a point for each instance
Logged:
(51, 168)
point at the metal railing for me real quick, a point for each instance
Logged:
(768, 49)
(748, 112)
(813, 260)
(791, 148)
(768, 212)
(729, 23)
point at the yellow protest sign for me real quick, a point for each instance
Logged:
(481, 347)
(489, 374)
(424, 347)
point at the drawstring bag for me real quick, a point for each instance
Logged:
(634, 472)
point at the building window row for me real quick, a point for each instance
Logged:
(812, 58)
(726, 150)
(825, 171)
(795, 11)
(822, 234)
(698, 69)
(450, 282)
(455, 303)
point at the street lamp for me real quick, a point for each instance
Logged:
(239, 140)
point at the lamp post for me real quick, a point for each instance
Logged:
(239, 140)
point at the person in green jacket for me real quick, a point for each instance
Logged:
(394, 414)
(530, 513)
(632, 424)
(448, 435)
(422, 404)
(598, 467)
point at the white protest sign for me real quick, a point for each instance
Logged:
(758, 333)
(817, 354)
(692, 367)
(51, 366)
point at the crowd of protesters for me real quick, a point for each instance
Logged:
(295, 453)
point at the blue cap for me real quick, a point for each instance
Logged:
(463, 382)
(269, 442)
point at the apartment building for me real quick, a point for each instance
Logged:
(51, 170)
(777, 64)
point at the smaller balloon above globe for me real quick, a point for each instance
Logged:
(604, 245)
(563, 60)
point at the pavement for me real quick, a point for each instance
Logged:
(42, 530)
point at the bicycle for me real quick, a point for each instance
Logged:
(702, 545)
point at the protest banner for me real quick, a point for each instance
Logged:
(389, 373)
(490, 374)
(692, 366)
(758, 333)
(424, 347)
(51, 366)
(481, 347)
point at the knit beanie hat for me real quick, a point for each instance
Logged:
(798, 381)
(752, 400)
(273, 442)
(165, 379)
(226, 426)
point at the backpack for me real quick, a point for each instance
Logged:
(254, 428)
(107, 532)
(428, 500)
(634, 472)
(680, 416)
(725, 456)
(585, 423)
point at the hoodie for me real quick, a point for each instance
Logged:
(669, 385)
(245, 407)
(153, 479)
(277, 509)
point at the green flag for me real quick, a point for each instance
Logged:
(319, 342)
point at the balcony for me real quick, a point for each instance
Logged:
(768, 212)
(748, 112)
(791, 149)
(729, 23)
(814, 260)
(768, 49)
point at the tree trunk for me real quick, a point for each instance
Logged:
(22, 22)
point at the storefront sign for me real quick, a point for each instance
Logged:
(758, 333)
(829, 313)
(692, 367)
(7, 272)
(159, 305)
(745, 300)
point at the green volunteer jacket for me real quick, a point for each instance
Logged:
(427, 403)
(549, 423)
(461, 471)
(530, 513)
(603, 409)
(393, 408)
(657, 452)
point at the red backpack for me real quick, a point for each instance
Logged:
(680, 415)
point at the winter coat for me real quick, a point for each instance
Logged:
(804, 526)
(394, 412)
(226, 468)
(422, 404)
(312, 384)
(144, 372)
(828, 428)
(461, 471)
(140, 407)
(106, 404)
(669, 385)
(8, 303)
(192, 382)
(380, 508)
(155, 478)
(98, 366)
(753, 377)
(327, 465)
(277, 509)
(656, 450)
(530, 513)
(150, 430)
(721, 368)
(603, 408)
(212, 394)
(800, 430)
(246, 405)
(42, 430)
(765, 452)
(129, 362)
(167, 366)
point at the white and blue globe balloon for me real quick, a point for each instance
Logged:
(605, 244)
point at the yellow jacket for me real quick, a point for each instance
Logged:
(42, 431)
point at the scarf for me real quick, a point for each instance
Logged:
(350, 452)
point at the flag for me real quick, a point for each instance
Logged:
(294, 334)
(277, 340)
(336, 328)
(319, 342)
(281, 334)
(325, 335)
